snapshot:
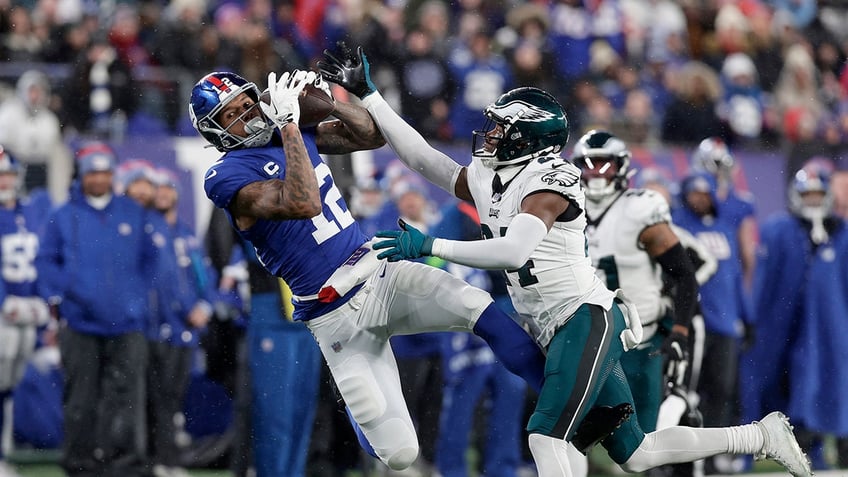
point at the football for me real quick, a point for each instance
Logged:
(315, 105)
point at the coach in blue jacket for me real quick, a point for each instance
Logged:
(98, 258)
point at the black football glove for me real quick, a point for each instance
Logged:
(349, 70)
(675, 348)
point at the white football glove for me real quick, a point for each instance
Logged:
(284, 94)
(323, 85)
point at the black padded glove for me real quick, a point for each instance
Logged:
(349, 70)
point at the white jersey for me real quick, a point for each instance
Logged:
(558, 277)
(619, 258)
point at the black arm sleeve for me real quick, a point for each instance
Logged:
(677, 265)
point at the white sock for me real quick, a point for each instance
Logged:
(550, 455)
(687, 444)
(578, 462)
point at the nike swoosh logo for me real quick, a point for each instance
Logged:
(383, 273)
(211, 174)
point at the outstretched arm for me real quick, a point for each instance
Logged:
(525, 232)
(352, 130)
(352, 72)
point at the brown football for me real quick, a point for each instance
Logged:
(315, 105)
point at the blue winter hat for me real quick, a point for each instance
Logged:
(95, 157)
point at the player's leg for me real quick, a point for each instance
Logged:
(284, 398)
(643, 368)
(355, 346)
(770, 438)
(425, 298)
(461, 396)
(503, 445)
(580, 358)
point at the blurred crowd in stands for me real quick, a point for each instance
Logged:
(763, 73)
(759, 74)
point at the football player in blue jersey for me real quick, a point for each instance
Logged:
(532, 209)
(22, 311)
(281, 197)
(713, 157)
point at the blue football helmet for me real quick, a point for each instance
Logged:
(209, 97)
(814, 176)
(534, 125)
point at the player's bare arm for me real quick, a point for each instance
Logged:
(352, 130)
(545, 205)
(460, 189)
(658, 239)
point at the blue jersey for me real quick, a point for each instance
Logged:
(19, 230)
(722, 297)
(736, 207)
(304, 253)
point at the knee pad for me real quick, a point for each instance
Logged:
(395, 443)
(361, 392)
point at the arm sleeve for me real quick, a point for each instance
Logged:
(676, 263)
(411, 148)
(511, 251)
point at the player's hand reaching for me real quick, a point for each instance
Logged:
(349, 70)
(405, 244)
(284, 107)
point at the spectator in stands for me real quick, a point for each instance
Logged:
(528, 49)
(797, 357)
(100, 89)
(97, 257)
(429, 84)
(692, 113)
(22, 311)
(481, 75)
(742, 105)
(576, 24)
(20, 43)
(184, 309)
(30, 130)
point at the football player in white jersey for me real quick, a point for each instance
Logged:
(631, 243)
(531, 206)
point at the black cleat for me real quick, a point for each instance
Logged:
(600, 422)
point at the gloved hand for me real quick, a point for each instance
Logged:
(284, 107)
(352, 71)
(322, 85)
(406, 244)
(675, 348)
